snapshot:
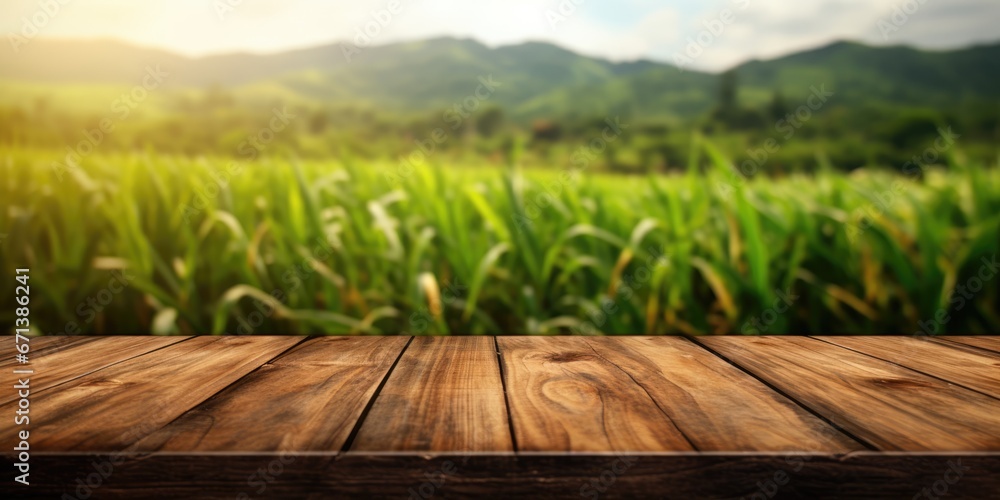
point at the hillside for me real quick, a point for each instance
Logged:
(539, 79)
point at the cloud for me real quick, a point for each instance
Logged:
(619, 30)
(771, 28)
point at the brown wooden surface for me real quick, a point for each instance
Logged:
(716, 405)
(579, 476)
(445, 394)
(843, 417)
(988, 343)
(60, 362)
(311, 398)
(889, 406)
(109, 409)
(564, 396)
(39, 346)
(975, 369)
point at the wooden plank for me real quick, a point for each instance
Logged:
(893, 408)
(40, 346)
(57, 366)
(114, 407)
(565, 397)
(716, 405)
(307, 400)
(972, 368)
(989, 343)
(593, 476)
(445, 394)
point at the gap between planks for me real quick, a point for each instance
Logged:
(506, 396)
(231, 384)
(63, 352)
(864, 442)
(891, 406)
(944, 373)
(504, 375)
(371, 401)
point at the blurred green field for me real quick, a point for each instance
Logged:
(130, 243)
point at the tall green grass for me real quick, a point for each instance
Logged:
(342, 248)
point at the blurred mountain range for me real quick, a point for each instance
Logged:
(536, 79)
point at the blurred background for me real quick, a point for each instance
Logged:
(550, 167)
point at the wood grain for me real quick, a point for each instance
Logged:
(252, 417)
(982, 342)
(584, 476)
(893, 408)
(310, 399)
(564, 396)
(445, 394)
(970, 368)
(716, 405)
(64, 362)
(40, 346)
(116, 406)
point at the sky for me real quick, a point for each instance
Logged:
(708, 35)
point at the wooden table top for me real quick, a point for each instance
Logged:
(561, 416)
